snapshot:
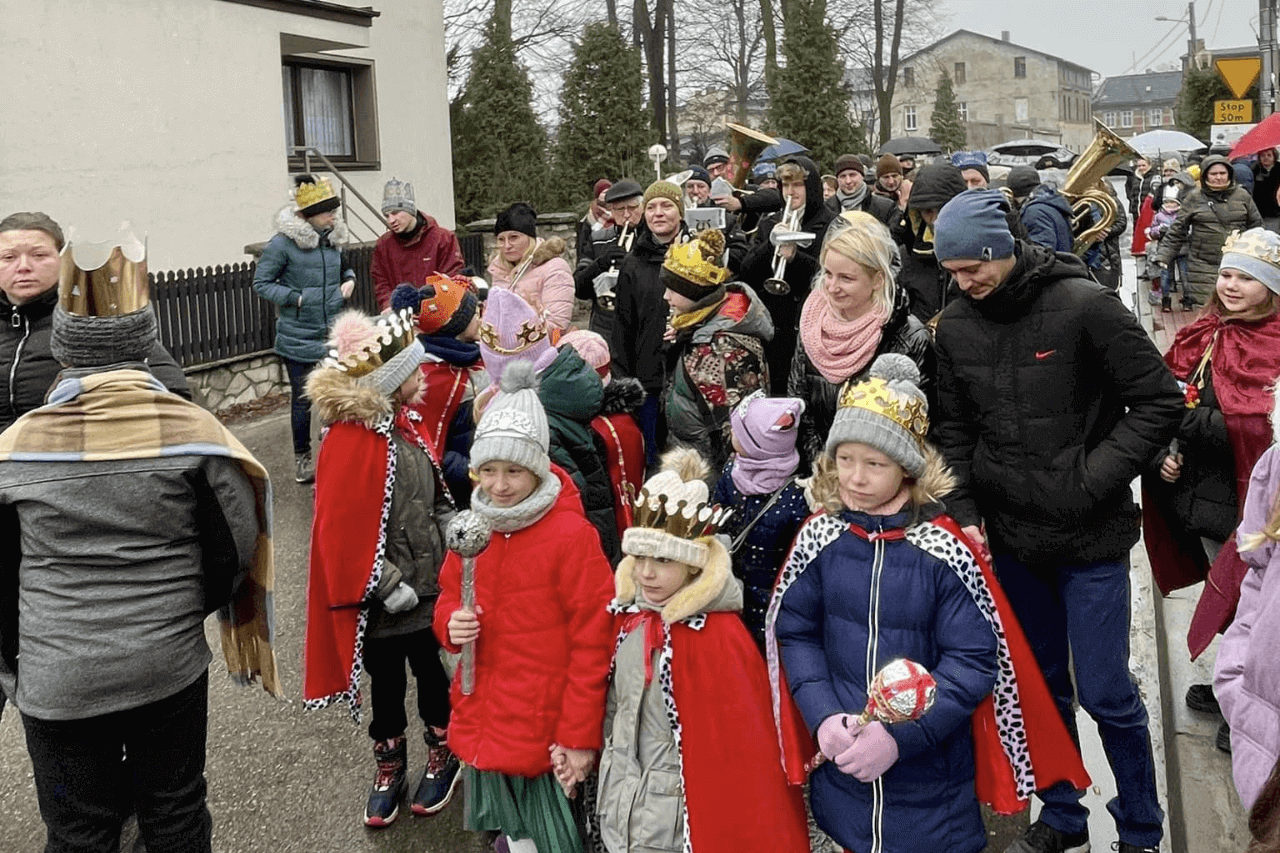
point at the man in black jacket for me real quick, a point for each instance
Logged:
(853, 192)
(1051, 400)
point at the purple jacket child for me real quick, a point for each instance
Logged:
(1247, 677)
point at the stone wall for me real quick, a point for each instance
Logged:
(562, 225)
(221, 386)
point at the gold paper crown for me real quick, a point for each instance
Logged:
(390, 334)
(530, 333)
(106, 280)
(678, 517)
(309, 194)
(1255, 244)
(694, 261)
(875, 395)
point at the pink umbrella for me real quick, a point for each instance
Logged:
(1265, 135)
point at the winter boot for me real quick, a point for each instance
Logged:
(1166, 305)
(441, 776)
(390, 782)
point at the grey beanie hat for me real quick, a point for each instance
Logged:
(398, 195)
(514, 427)
(897, 430)
(391, 375)
(973, 226)
(1256, 253)
(97, 341)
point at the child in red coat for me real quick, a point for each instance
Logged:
(540, 627)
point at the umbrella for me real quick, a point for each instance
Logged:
(781, 148)
(1027, 147)
(1154, 141)
(918, 145)
(1265, 135)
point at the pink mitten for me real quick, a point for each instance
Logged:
(833, 735)
(873, 752)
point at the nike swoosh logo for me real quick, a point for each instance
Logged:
(1041, 356)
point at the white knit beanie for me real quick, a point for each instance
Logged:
(514, 427)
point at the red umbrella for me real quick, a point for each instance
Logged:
(1265, 135)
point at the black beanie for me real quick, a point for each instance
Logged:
(518, 217)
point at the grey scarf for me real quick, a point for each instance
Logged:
(853, 200)
(512, 518)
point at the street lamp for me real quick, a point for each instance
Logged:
(1190, 21)
(657, 153)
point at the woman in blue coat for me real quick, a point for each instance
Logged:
(301, 271)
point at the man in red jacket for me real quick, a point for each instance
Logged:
(414, 247)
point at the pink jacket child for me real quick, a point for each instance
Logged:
(1247, 674)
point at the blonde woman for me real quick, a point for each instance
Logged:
(855, 312)
(533, 268)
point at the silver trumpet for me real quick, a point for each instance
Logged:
(784, 233)
(605, 283)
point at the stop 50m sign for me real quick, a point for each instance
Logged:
(1232, 112)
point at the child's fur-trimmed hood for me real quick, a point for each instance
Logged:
(339, 397)
(713, 589)
(299, 230)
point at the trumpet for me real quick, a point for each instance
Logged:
(605, 283)
(786, 233)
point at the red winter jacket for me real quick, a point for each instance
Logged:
(542, 658)
(434, 250)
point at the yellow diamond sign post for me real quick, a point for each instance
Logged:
(1239, 73)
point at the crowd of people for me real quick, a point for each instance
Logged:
(895, 416)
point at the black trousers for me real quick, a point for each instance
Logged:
(91, 773)
(384, 660)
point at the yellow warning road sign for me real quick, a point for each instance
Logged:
(1232, 112)
(1239, 73)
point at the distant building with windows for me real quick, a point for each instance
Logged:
(1005, 91)
(1135, 103)
(180, 117)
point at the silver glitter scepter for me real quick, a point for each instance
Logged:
(468, 534)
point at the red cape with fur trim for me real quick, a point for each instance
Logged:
(351, 493)
(624, 444)
(737, 796)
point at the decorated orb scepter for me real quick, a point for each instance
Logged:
(468, 534)
(902, 691)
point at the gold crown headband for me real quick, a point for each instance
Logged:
(687, 262)
(679, 518)
(309, 194)
(530, 333)
(875, 395)
(394, 332)
(1253, 245)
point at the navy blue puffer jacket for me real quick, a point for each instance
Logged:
(923, 612)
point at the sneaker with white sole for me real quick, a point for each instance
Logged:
(1042, 838)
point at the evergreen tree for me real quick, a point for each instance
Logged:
(809, 101)
(946, 128)
(605, 131)
(1193, 112)
(499, 148)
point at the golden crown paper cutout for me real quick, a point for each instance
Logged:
(687, 262)
(875, 395)
(309, 194)
(530, 333)
(678, 518)
(395, 331)
(1253, 245)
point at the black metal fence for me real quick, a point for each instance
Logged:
(211, 314)
(473, 252)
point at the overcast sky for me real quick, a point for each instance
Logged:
(1109, 37)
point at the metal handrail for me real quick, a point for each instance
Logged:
(308, 150)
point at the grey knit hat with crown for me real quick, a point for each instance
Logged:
(886, 411)
(514, 427)
(398, 195)
(77, 341)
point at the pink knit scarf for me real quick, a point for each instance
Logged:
(839, 348)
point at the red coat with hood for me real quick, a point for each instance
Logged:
(434, 249)
(542, 657)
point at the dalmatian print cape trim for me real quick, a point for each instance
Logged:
(948, 548)
(820, 531)
(352, 694)
(666, 680)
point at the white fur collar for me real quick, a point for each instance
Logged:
(299, 230)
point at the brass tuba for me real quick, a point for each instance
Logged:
(1083, 189)
(745, 146)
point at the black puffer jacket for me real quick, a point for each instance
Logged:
(1051, 399)
(27, 365)
(641, 314)
(1204, 221)
(924, 282)
(903, 333)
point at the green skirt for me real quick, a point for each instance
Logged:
(521, 808)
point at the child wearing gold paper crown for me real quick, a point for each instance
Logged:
(690, 760)
(882, 573)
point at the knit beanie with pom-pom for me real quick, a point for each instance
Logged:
(887, 411)
(514, 427)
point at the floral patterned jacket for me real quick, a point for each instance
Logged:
(712, 367)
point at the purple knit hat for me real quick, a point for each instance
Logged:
(512, 330)
(765, 429)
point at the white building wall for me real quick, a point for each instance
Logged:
(169, 114)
